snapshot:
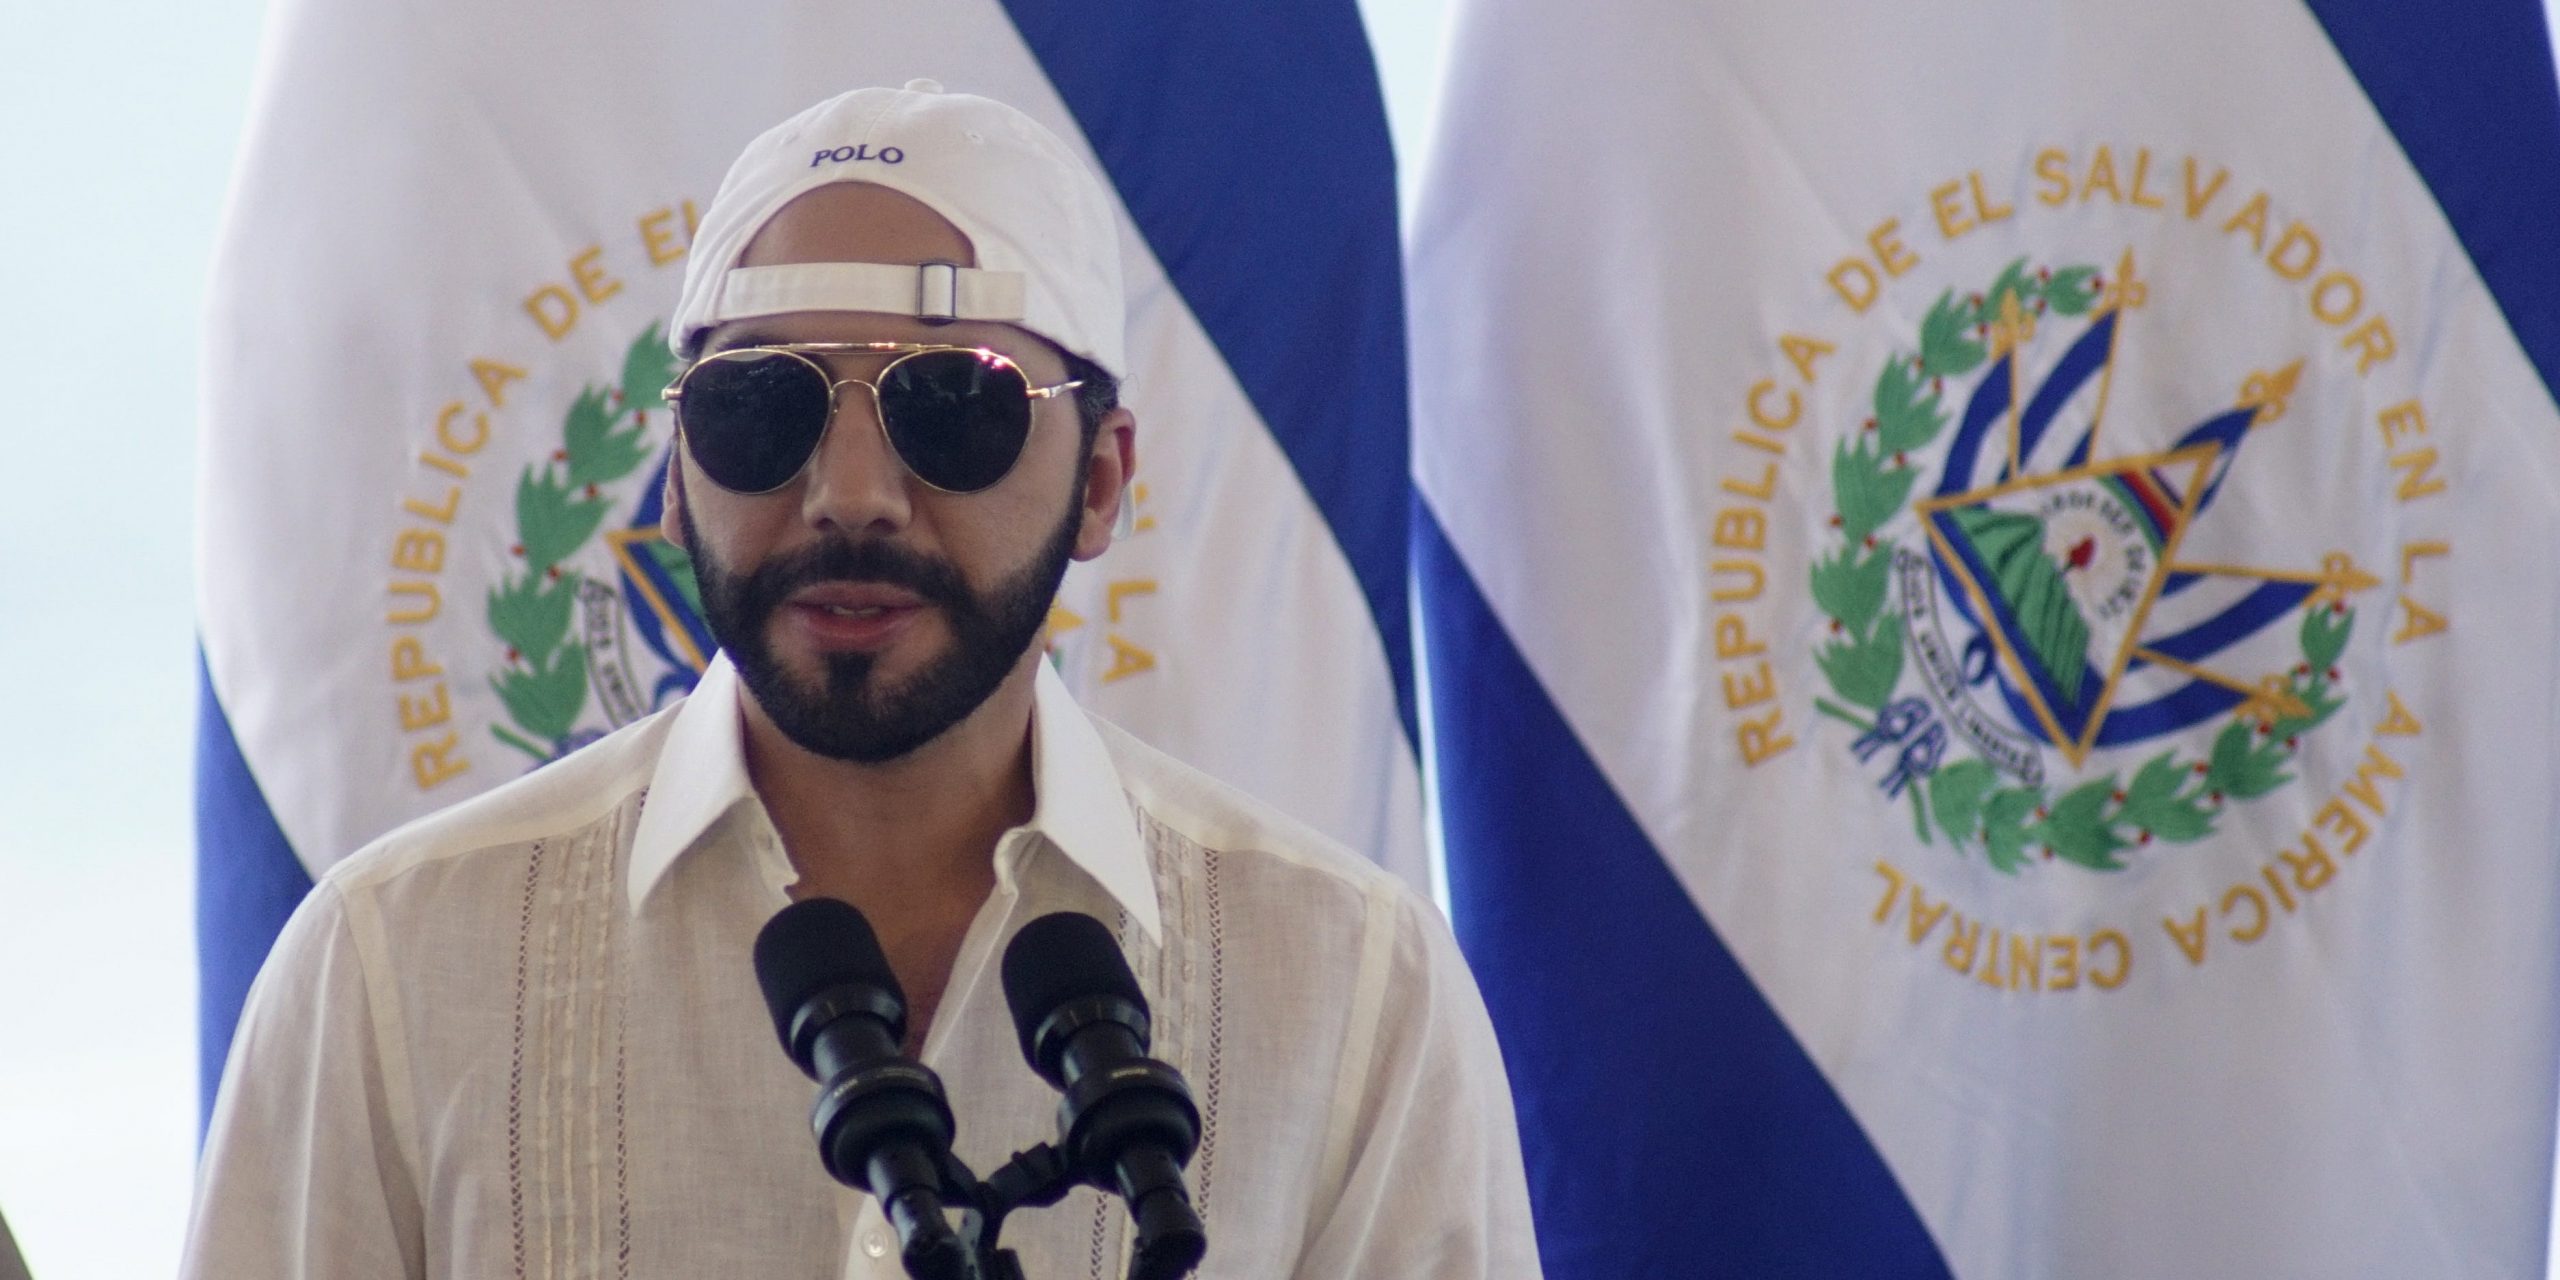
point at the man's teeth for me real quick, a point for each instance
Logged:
(867, 611)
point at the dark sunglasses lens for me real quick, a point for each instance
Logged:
(957, 419)
(753, 419)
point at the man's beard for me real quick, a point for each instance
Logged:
(845, 717)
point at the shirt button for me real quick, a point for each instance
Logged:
(875, 1242)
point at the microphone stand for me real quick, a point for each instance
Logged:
(1036, 1179)
(1033, 1179)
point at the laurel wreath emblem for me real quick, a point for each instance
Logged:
(2171, 797)
(561, 502)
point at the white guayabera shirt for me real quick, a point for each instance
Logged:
(523, 1038)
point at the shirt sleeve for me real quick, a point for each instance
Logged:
(1432, 1187)
(302, 1174)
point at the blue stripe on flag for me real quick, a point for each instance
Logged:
(2471, 96)
(247, 882)
(1250, 144)
(1689, 1139)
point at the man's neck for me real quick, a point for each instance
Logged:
(921, 827)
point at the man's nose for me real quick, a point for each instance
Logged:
(856, 482)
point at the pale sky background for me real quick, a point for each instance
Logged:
(122, 118)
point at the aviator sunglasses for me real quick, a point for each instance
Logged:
(957, 417)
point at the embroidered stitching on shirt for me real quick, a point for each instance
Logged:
(1101, 1224)
(588, 975)
(621, 1093)
(622, 1046)
(570, 1000)
(1217, 1024)
(515, 1067)
(549, 1072)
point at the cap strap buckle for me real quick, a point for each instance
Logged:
(938, 291)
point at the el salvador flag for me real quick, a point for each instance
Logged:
(1986, 578)
(434, 436)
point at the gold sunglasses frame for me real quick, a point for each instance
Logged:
(905, 351)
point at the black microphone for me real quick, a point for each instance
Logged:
(882, 1122)
(1129, 1121)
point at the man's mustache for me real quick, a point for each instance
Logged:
(846, 560)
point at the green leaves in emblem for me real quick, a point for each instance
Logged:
(2072, 290)
(551, 520)
(1947, 345)
(2079, 829)
(1863, 665)
(647, 368)
(2004, 827)
(2161, 802)
(1946, 349)
(542, 695)
(2248, 759)
(1905, 419)
(598, 454)
(1956, 792)
(1869, 493)
(2237, 770)
(560, 504)
(2324, 638)
(1849, 585)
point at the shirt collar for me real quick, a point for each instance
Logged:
(1078, 803)
(701, 776)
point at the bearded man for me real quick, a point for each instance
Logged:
(522, 1037)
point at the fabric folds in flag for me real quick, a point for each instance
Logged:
(434, 439)
(1985, 581)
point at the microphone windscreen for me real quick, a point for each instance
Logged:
(812, 945)
(1057, 958)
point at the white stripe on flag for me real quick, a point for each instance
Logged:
(2241, 968)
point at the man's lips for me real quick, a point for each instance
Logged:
(853, 615)
(854, 597)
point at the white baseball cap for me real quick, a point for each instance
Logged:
(1045, 231)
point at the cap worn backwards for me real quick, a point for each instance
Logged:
(1046, 234)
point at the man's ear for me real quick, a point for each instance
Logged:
(1108, 469)
(671, 520)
